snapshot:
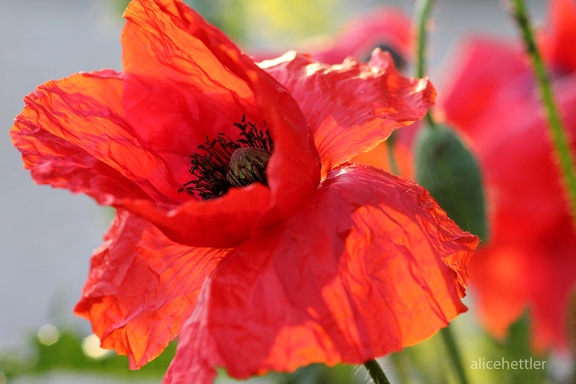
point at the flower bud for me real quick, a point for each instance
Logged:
(447, 168)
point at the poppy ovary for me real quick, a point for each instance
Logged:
(248, 166)
(222, 163)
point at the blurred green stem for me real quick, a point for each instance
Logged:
(454, 353)
(376, 372)
(400, 367)
(571, 332)
(423, 10)
(391, 157)
(558, 133)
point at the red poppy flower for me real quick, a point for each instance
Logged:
(530, 260)
(240, 223)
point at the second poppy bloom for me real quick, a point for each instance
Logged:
(529, 262)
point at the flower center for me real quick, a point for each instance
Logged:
(223, 163)
(248, 165)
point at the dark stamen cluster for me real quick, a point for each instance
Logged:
(211, 166)
(210, 169)
(253, 137)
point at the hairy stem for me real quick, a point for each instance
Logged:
(376, 372)
(559, 136)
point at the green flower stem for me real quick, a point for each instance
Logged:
(571, 332)
(454, 353)
(558, 133)
(376, 372)
(430, 120)
(424, 8)
(391, 157)
(401, 367)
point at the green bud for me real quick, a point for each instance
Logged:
(248, 166)
(447, 168)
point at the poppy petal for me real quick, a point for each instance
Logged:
(142, 287)
(74, 139)
(559, 35)
(175, 80)
(502, 80)
(511, 277)
(223, 222)
(380, 98)
(369, 265)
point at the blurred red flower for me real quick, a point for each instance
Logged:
(530, 260)
(291, 256)
(386, 28)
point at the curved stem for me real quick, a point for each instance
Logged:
(423, 10)
(391, 158)
(400, 367)
(454, 353)
(558, 133)
(376, 372)
(571, 332)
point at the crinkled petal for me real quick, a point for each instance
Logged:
(351, 107)
(223, 222)
(72, 134)
(370, 264)
(176, 83)
(142, 287)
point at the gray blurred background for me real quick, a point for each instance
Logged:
(47, 235)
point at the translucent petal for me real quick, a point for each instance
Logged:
(370, 264)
